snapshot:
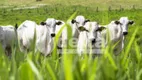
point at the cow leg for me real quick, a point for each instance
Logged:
(26, 49)
(60, 51)
(8, 51)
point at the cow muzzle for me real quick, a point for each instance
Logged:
(52, 35)
(125, 33)
(93, 41)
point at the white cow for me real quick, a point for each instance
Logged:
(87, 37)
(25, 34)
(44, 40)
(79, 21)
(125, 22)
(113, 35)
(7, 38)
(44, 34)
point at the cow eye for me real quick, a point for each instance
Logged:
(43, 23)
(58, 23)
(73, 21)
(85, 22)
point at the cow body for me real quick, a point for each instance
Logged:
(44, 41)
(125, 22)
(26, 34)
(44, 35)
(7, 38)
(83, 43)
(113, 35)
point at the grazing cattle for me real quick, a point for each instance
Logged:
(52, 24)
(87, 37)
(7, 38)
(125, 22)
(44, 34)
(55, 26)
(44, 39)
(115, 32)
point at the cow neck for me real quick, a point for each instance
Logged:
(76, 27)
(119, 34)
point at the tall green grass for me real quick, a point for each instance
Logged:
(33, 66)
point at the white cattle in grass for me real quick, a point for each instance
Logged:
(125, 22)
(113, 35)
(25, 34)
(44, 34)
(7, 38)
(44, 40)
(87, 37)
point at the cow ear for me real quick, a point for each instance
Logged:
(87, 20)
(117, 22)
(43, 23)
(16, 26)
(131, 22)
(73, 21)
(58, 23)
(101, 28)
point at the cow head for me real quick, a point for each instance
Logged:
(92, 27)
(80, 21)
(125, 22)
(51, 23)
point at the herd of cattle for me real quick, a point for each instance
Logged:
(87, 33)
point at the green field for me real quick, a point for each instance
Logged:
(102, 4)
(33, 66)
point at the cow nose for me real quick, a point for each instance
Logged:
(93, 41)
(125, 33)
(80, 27)
(52, 35)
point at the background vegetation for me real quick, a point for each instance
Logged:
(33, 66)
(102, 4)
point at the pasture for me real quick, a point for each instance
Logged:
(33, 66)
